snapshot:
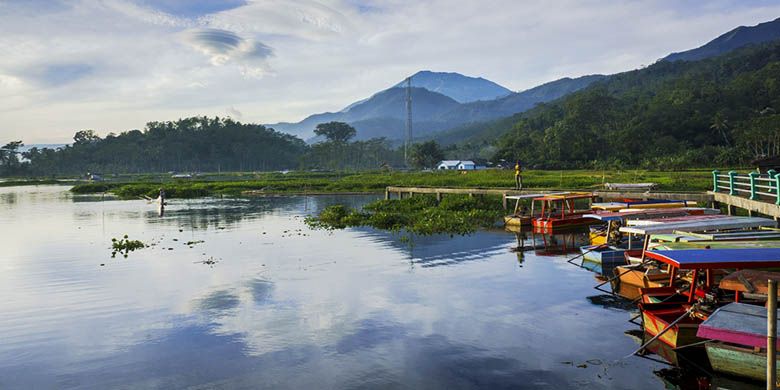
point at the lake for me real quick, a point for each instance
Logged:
(240, 293)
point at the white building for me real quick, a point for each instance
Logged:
(461, 165)
(448, 164)
(467, 166)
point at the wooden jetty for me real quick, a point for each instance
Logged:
(756, 193)
(402, 192)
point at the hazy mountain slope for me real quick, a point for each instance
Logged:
(520, 101)
(734, 39)
(462, 88)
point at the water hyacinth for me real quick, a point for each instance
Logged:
(421, 215)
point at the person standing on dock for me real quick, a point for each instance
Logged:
(518, 176)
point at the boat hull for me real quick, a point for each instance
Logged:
(631, 280)
(656, 318)
(517, 220)
(738, 361)
(552, 224)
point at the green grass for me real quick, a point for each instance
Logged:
(332, 182)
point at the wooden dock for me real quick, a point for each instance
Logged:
(401, 192)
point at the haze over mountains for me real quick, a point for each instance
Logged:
(454, 101)
(442, 101)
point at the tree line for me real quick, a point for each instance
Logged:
(200, 144)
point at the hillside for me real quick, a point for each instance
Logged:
(671, 115)
(734, 39)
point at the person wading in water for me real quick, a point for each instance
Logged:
(518, 176)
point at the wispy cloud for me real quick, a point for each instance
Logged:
(115, 64)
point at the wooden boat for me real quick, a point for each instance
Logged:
(633, 277)
(700, 262)
(657, 317)
(559, 212)
(748, 283)
(520, 216)
(738, 332)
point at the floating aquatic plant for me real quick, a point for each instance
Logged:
(125, 246)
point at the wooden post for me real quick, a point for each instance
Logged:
(438, 197)
(503, 200)
(387, 195)
(771, 336)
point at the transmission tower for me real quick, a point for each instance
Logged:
(408, 138)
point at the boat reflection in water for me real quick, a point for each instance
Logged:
(549, 244)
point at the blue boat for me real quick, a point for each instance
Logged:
(602, 259)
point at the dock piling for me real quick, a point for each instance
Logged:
(771, 336)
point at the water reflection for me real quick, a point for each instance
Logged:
(287, 307)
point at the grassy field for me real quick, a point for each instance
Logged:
(331, 182)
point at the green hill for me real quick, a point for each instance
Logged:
(718, 111)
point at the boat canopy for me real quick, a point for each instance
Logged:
(529, 196)
(567, 196)
(684, 218)
(718, 258)
(628, 214)
(724, 223)
(736, 323)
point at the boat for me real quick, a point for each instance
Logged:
(642, 204)
(701, 264)
(559, 211)
(672, 321)
(520, 215)
(613, 220)
(630, 278)
(602, 259)
(748, 283)
(738, 334)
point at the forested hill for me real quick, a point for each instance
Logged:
(734, 39)
(718, 111)
(192, 144)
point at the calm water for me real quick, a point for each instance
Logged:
(288, 307)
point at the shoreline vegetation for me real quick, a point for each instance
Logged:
(419, 215)
(248, 184)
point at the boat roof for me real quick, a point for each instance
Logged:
(718, 258)
(527, 196)
(736, 323)
(682, 218)
(639, 213)
(694, 225)
(566, 196)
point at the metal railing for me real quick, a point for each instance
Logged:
(754, 185)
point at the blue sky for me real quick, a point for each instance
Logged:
(113, 65)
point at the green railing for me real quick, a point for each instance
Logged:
(754, 185)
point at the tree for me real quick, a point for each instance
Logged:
(336, 132)
(426, 154)
(9, 161)
(84, 137)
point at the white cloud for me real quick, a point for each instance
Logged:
(116, 64)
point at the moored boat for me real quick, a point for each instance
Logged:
(738, 334)
(560, 212)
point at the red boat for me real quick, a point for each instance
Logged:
(560, 212)
(675, 312)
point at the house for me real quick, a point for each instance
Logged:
(461, 165)
(448, 164)
(467, 165)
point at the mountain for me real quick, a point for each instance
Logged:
(517, 102)
(672, 115)
(462, 88)
(384, 113)
(381, 115)
(734, 39)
